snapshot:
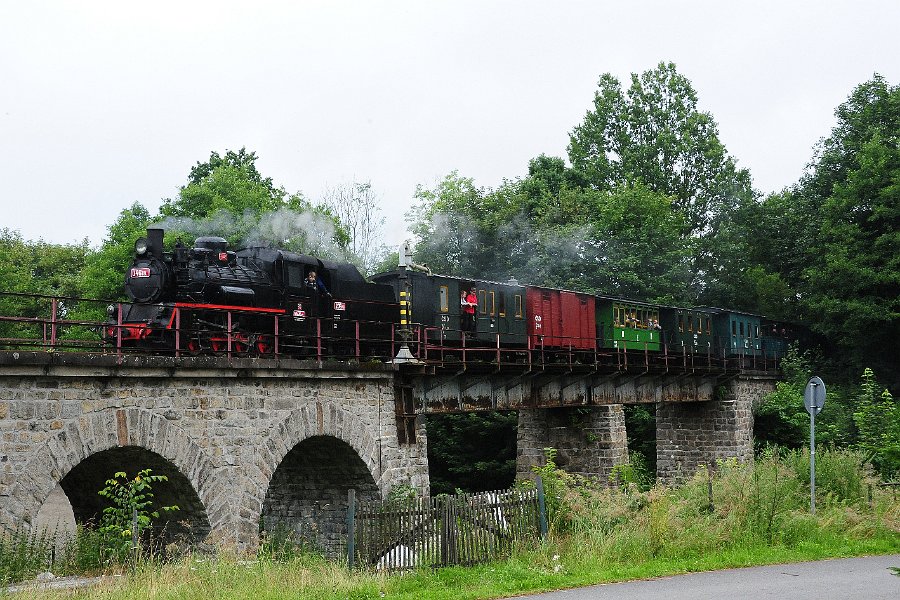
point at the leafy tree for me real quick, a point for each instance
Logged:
(39, 268)
(780, 419)
(241, 160)
(850, 283)
(228, 197)
(445, 224)
(471, 451)
(877, 417)
(132, 506)
(104, 271)
(540, 230)
(655, 134)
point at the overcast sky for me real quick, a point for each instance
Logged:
(106, 103)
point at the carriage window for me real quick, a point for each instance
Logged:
(708, 326)
(690, 323)
(493, 306)
(757, 331)
(741, 328)
(501, 301)
(681, 323)
(445, 298)
(733, 328)
(519, 305)
(481, 302)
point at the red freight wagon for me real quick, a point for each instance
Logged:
(559, 319)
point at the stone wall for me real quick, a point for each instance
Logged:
(224, 432)
(589, 440)
(691, 434)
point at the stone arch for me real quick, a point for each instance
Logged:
(314, 457)
(322, 420)
(108, 431)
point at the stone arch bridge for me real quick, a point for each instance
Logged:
(248, 443)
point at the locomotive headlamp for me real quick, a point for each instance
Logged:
(140, 246)
(111, 309)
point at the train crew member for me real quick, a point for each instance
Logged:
(469, 302)
(315, 283)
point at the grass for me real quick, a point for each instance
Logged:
(760, 515)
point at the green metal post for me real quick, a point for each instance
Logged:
(542, 507)
(351, 527)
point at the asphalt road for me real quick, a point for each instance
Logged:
(867, 578)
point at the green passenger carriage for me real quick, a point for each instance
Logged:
(688, 330)
(628, 325)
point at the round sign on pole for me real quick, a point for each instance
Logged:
(814, 395)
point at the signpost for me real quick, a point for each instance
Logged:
(813, 400)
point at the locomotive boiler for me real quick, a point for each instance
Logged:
(257, 300)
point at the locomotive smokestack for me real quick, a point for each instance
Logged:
(155, 241)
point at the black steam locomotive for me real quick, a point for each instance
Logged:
(255, 301)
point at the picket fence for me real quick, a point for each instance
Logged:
(462, 529)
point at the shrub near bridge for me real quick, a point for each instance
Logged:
(737, 508)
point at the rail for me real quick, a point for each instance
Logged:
(67, 324)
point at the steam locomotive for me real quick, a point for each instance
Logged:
(253, 301)
(259, 301)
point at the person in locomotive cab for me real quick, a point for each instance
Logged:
(468, 303)
(315, 284)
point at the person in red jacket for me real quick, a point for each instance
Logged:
(468, 303)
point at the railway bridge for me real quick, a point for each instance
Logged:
(249, 442)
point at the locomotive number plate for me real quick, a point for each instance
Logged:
(140, 273)
(340, 306)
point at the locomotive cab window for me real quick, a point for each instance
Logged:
(444, 295)
(294, 275)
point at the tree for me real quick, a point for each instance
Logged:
(228, 197)
(355, 206)
(37, 268)
(850, 286)
(131, 510)
(655, 134)
(104, 271)
(877, 417)
(444, 222)
(474, 452)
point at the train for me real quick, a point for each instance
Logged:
(259, 300)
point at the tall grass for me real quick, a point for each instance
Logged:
(734, 515)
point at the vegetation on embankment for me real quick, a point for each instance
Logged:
(759, 514)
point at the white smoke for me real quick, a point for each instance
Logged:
(302, 231)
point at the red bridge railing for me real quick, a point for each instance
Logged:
(65, 324)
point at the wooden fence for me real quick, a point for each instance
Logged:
(463, 529)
